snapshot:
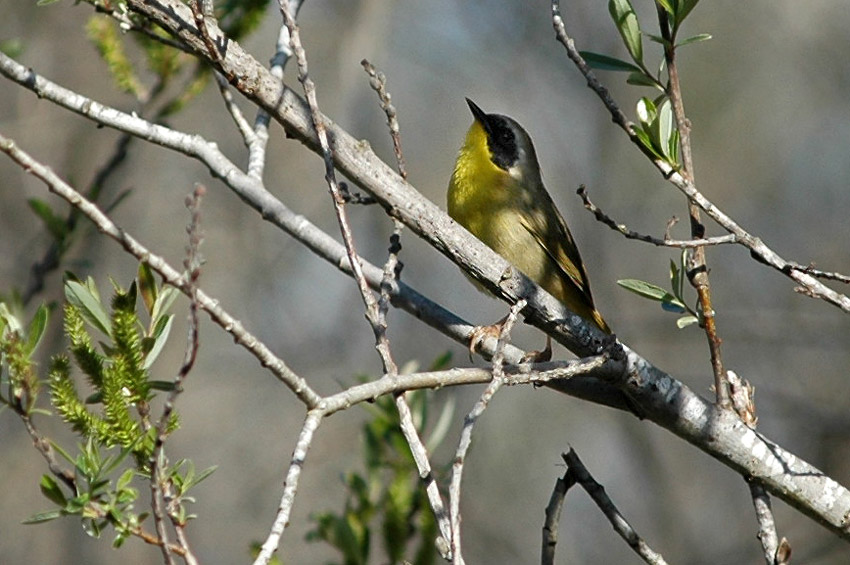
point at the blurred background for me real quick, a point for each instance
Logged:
(768, 100)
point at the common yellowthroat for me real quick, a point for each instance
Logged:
(497, 193)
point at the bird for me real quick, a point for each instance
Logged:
(496, 192)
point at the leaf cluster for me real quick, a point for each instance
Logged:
(656, 128)
(672, 301)
(117, 371)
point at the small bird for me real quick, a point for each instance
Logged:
(497, 193)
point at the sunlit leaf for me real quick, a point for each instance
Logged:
(645, 289)
(92, 310)
(695, 39)
(627, 24)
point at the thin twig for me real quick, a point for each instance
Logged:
(553, 517)
(248, 134)
(378, 83)
(283, 51)
(466, 433)
(290, 487)
(161, 486)
(630, 234)
(606, 505)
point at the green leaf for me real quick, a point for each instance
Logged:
(667, 5)
(695, 39)
(663, 127)
(673, 305)
(646, 111)
(82, 297)
(686, 321)
(645, 289)
(165, 297)
(673, 147)
(645, 140)
(45, 2)
(658, 39)
(50, 489)
(36, 329)
(147, 286)
(627, 24)
(606, 63)
(160, 337)
(683, 9)
(640, 78)
(43, 517)
(54, 224)
(124, 479)
(676, 279)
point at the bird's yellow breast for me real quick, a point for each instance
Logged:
(488, 201)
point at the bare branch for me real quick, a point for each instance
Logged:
(290, 487)
(378, 83)
(553, 517)
(606, 505)
(666, 242)
(466, 432)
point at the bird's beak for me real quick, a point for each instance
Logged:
(479, 114)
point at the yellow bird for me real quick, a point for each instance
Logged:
(497, 193)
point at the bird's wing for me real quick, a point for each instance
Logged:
(560, 248)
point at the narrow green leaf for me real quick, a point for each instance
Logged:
(695, 39)
(667, 5)
(45, 2)
(673, 148)
(54, 224)
(165, 298)
(686, 321)
(36, 329)
(50, 489)
(644, 139)
(124, 479)
(643, 288)
(663, 127)
(606, 63)
(147, 286)
(675, 279)
(640, 78)
(673, 305)
(81, 296)
(683, 9)
(161, 337)
(627, 24)
(657, 39)
(43, 517)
